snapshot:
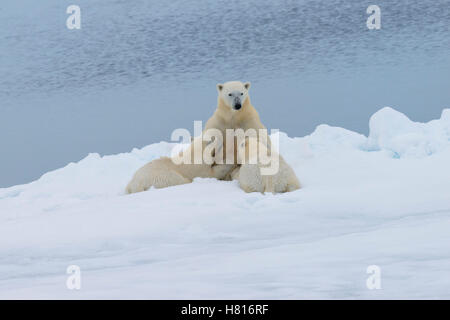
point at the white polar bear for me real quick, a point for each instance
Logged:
(250, 177)
(164, 172)
(234, 111)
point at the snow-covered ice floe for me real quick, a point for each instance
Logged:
(380, 200)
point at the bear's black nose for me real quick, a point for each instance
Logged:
(237, 106)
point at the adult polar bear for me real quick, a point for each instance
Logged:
(234, 111)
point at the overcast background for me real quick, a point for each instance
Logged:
(139, 69)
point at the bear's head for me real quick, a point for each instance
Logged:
(233, 93)
(249, 149)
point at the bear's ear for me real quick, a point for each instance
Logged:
(247, 85)
(219, 87)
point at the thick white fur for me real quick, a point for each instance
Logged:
(164, 172)
(161, 173)
(250, 177)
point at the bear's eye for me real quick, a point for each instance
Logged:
(242, 94)
(230, 94)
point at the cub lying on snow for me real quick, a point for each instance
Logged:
(250, 175)
(163, 172)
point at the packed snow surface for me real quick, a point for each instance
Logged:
(380, 200)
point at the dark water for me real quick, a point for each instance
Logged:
(139, 69)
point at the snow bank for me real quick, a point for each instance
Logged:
(380, 200)
(392, 131)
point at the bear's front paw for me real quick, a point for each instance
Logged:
(137, 185)
(222, 171)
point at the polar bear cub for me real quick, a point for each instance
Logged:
(164, 172)
(250, 175)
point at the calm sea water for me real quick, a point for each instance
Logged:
(139, 69)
